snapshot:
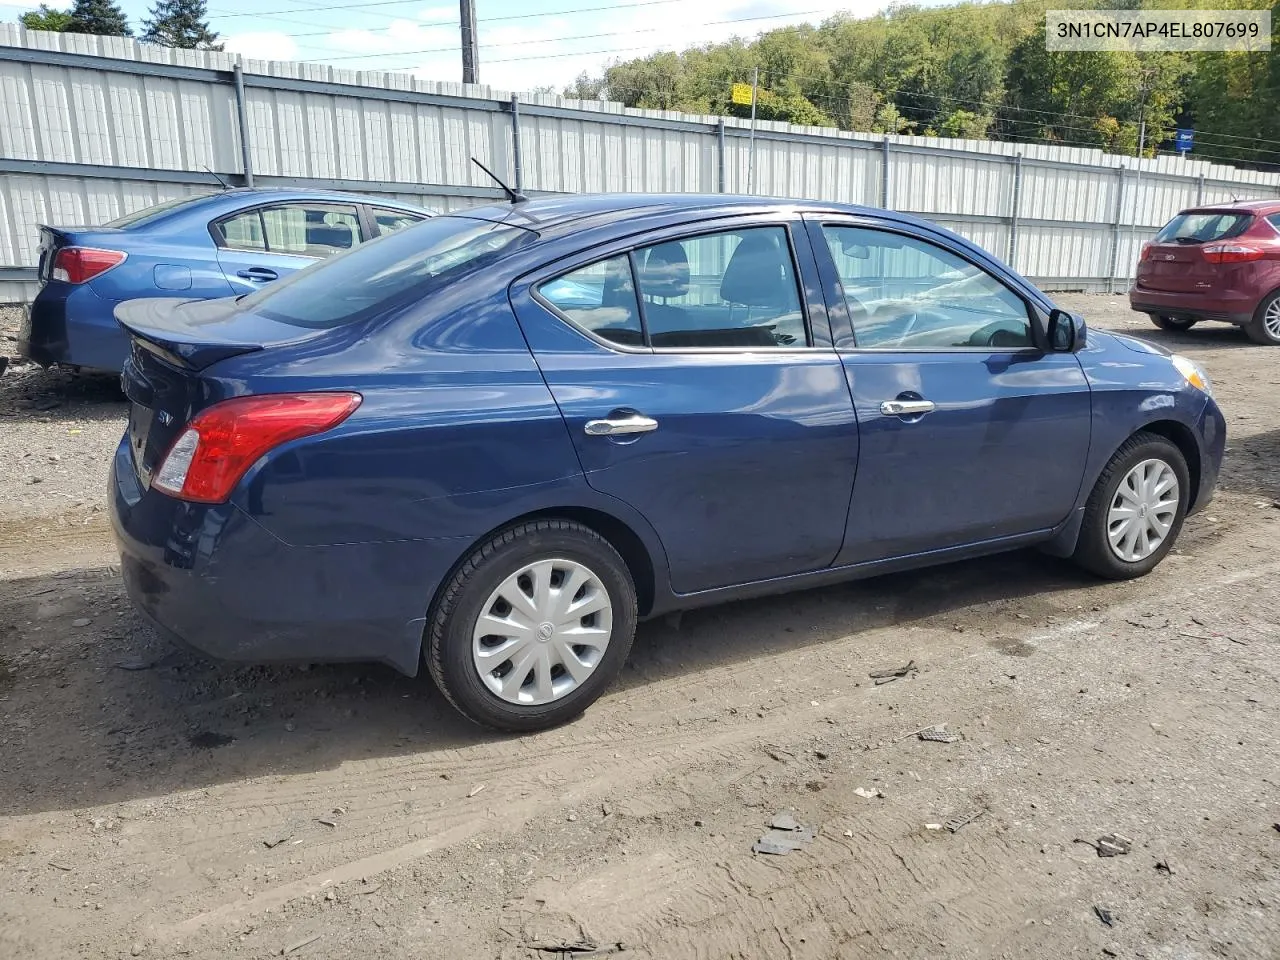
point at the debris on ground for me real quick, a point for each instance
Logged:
(141, 663)
(1109, 845)
(81, 622)
(959, 821)
(326, 823)
(277, 838)
(210, 739)
(890, 674)
(1105, 915)
(1165, 867)
(866, 794)
(299, 945)
(476, 789)
(785, 835)
(939, 734)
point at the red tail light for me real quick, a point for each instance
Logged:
(223, 442)
(78, 264)
(1146, 252)
(1231, 252)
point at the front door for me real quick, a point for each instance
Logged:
(696, 391)
(970, 431)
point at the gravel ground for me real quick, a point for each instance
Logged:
(154, 804)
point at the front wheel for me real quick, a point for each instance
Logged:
(1136, 509)
(1265, 325)
(533, 627)
(1175, 324)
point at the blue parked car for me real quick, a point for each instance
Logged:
(493, 441)
(221, 245)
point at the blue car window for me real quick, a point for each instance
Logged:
(143, 216)
(243, 231)
(908, 294)
(732, 289)
(599, 298)
(311, 229)
(389, 221)
(388, 273)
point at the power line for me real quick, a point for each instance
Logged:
(583, 36)
(343, 7)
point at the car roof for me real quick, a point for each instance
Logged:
(553, 214)
(1242, 206)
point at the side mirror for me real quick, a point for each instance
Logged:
(1066, 332)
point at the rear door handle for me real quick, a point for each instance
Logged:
(258, 273)
(906, 408)
(617, 426)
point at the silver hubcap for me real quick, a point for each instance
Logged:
(1143, 510)
(543, 632)
(1271, 320)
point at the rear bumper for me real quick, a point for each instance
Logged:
(1190, 306)
(73, 326)
(218, 582)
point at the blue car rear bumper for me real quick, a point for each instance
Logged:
(215, 580)
(73, 326)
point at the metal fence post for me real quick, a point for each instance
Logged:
(242, 115)
(1199, 189)
(884, 174)
(1013, 210)
(516, 159)
(1115, 231)
(720, 184)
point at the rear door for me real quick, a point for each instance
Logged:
(262, 244)
(1174, 261)
(699, 389)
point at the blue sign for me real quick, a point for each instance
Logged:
(1184, 140)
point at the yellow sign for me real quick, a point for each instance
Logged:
(742, 94)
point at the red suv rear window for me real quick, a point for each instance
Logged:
(1204, 226)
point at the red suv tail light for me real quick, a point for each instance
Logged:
(1146, 251)
(1231, 252)
(223, 442)
(78, 264)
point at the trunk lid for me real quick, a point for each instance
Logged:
(173, 341)
(53, 239)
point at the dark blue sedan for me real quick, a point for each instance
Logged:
(221, 245)
(493, 441)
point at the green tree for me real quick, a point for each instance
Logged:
(180, 23)
(101, 17)
(46, 18)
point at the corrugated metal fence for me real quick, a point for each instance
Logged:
(94, 127)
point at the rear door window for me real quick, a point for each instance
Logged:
(1204, 226)
(601, 299)
(242, 232)
(311, 230)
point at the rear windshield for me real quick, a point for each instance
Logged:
(387, 273)
(147, 214)
(1204, 227)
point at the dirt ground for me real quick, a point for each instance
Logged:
(155, 805)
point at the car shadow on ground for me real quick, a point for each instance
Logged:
(1250, 466)
(107, 712)
(1203, 336)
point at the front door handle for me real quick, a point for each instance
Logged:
(258, 273)
(906, 408)
(617, 426)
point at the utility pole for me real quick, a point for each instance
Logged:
(751, 157)
(470, 44)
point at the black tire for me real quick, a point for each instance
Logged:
(1093, 549)
(448, 651)
(1257, 327)
(1174, 324)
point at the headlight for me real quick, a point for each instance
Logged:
(1193, 373)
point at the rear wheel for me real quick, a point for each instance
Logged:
(1136, 509)
(533, 627)
(1166, 322)
(1265, 325)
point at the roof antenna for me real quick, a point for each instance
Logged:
(513, 195)
(225, 185)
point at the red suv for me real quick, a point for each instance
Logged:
(1214, 263)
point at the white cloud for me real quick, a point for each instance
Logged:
(267, 45)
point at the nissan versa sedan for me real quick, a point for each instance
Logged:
(491, 442)
(1214, 263)
(194, 247)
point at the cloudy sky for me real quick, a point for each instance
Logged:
(523, 43)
